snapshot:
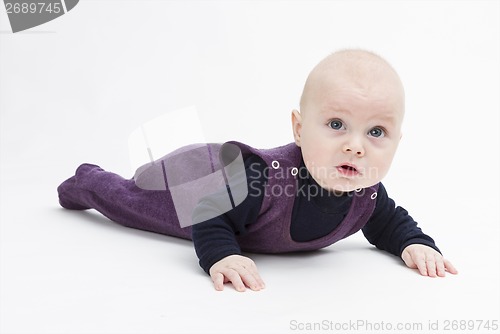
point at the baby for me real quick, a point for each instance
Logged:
(302, 196)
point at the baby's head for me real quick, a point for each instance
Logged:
(349, 124)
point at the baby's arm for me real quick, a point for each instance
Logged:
(427, 260)
(241, 271)
(391, 228)
(215, 240)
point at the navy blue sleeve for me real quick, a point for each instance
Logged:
(391, 228)
(215, 238)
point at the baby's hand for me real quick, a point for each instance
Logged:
(237, 269)
(427, 260)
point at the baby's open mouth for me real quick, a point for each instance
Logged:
(349, 168)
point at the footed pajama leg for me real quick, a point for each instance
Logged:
(121, 200)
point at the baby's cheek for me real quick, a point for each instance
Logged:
(378, 171)
(312, 160)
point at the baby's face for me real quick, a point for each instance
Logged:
(349, 131)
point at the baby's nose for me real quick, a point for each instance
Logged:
(358, 150)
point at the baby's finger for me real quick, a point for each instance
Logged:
(252, 279)
(450, 267)
(260, 281)
(421, 265)
(430, 263)
(234, 276)
(218, 279)
(441, 272)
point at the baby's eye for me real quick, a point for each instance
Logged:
(376, 132)
(336, 124)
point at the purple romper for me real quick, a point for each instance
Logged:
(122, 201)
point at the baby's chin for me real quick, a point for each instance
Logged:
(340, 185)
(346, 187)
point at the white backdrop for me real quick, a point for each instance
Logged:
(72, 91)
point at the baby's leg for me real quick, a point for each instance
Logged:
(121, 200)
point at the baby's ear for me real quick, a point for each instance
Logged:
(296, 125)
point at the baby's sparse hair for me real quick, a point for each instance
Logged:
(356, 64)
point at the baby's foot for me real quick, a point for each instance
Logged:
(69, 192)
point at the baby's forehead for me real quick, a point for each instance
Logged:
(363, 101)
(340, 91)
(350, 74)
